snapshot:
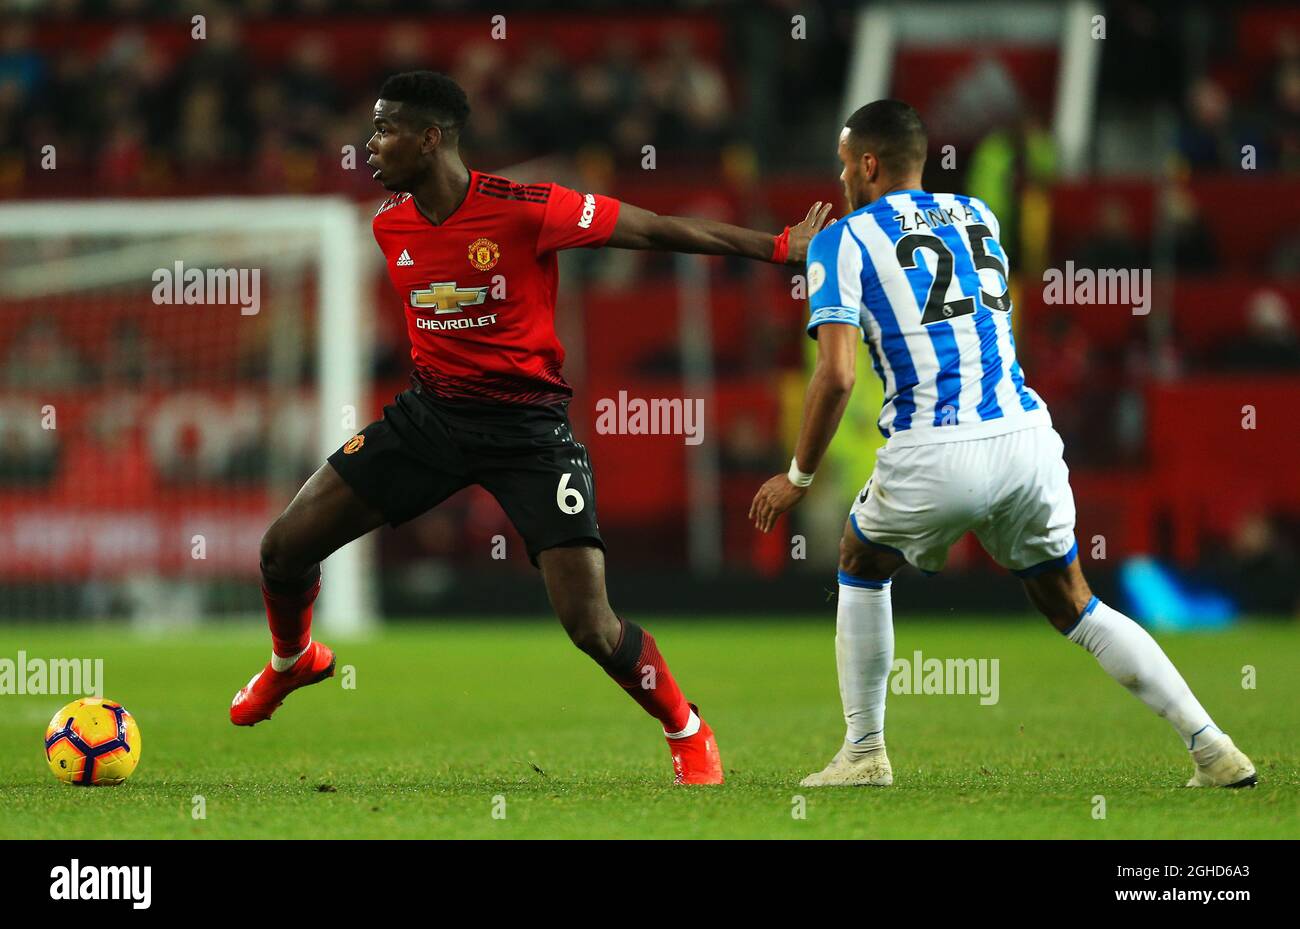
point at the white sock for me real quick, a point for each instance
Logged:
(864, 653)
(1127, 653)
(284, 664)
(692, 726)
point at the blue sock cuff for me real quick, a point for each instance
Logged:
(1051, 564)
(850, 581)
(1087, 610)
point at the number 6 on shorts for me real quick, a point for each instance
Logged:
(564, 493)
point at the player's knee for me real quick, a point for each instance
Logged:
(860, 562)
(590, 641)
(280, 561)
(594, 631)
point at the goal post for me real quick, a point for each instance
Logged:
(146, 400)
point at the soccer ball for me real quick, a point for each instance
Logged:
(92, 742)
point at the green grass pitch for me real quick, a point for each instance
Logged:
(447, 718)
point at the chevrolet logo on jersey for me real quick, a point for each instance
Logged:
(446, 297)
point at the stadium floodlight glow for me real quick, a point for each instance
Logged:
(318, 236)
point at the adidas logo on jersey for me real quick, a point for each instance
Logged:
(405, 260)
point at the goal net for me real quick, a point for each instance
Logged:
(171, 371)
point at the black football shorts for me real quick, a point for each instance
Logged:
(423, 451)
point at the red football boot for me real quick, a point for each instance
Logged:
(261, 696)
(695, 758)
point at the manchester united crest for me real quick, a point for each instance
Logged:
(484, 254)
(353, 444)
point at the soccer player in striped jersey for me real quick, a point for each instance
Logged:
(922, 279)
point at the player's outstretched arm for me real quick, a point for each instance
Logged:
(823, 408)
(642, 229)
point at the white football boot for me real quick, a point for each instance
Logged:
(849, 769)
(1221, 764)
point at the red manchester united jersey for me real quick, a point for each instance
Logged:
(479, 288)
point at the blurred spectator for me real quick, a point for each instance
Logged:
(1143, 59)
(1285, 260)
(219, 58)
(205, 138)
(405, 49)
(748, 449)
(122, 159)
(67, 111)
(40, 359)
(1211, 137)
(690, 97)
(20, 63)
(1006, 163)
(1193, 248)
(1284, 116)
(29, 453)
(129, 359)
(609, 92)
(1060, 368)
(1112, 244)
(481, 71)
(308, 92)
(1260, 568)
(1269, 344)
(538, 103)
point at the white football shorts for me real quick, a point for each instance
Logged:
(1011, 490)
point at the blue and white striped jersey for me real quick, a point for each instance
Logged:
(925, 278)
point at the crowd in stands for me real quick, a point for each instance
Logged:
(132, 113)
(119, 10)
(129, 111)
(1216, 128)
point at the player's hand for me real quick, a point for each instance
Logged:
(802, 234)
(773, 499)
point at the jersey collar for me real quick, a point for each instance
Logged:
(469, 192)
(895, 193)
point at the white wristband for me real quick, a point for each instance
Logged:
(797, 477)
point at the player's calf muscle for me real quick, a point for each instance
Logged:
(575, 583)
(1060, 595)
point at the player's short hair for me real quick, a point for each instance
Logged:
(429, 96)
(892, 131)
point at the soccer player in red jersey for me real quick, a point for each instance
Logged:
(474, 258)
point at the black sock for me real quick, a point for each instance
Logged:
(623, 662)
